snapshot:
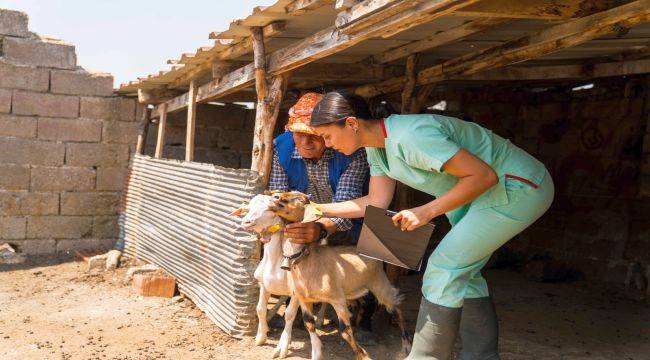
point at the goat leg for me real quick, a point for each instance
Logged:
(345, 328)
(310, 325)
(285, 339)
(262, 326)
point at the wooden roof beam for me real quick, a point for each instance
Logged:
(317, 46)
(537, 9)
(544, 42)
(302, 6)
(343, 5)
(439, 39)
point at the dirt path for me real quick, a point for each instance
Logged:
(54, 311)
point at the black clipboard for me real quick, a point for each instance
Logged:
(381, 240)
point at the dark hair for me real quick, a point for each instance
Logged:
(336, 106)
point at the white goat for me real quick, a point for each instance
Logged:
(327, 274)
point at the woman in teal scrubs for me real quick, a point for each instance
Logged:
(490, 190)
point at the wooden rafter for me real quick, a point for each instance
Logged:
(439, 39)
(191, 122)
(538, 9)
(317, 46)
(541, 43)
(160, 139)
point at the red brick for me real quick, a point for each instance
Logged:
(31, 103)
(81, 83)
(24, 77)
(85, 254)
(36, 52)
(79, 130)
(18, 126)
(154, 285)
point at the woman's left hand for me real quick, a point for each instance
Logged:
(412, 219)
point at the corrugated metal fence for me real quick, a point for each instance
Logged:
(175, 215)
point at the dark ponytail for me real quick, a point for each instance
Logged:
(336, 106)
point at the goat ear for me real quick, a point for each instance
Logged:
(239, 212)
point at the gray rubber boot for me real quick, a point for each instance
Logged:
(435, 332)
(479, 330)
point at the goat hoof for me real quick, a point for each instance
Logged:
(281, 351)
(260, 340)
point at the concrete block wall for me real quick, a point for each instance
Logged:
(65, 144)
(595, 143)
(224, 135)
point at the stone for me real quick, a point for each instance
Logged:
(39, 52)
(111, 178)
(13, 23)
(18, 126)
(14, 177)
(78, 130)
(96, 262)
(5, 101)
(12, 227)
(79, 154)
(31, 152)
(32, 103)
(89, 203)
(20, 203)
(81, 82)
(59, 227)
(65, 178)
(147, 268)
(24, 77)
(119, 132)
(9, 256)
(105, 227)
(154, 285)
(113, 259)
(107, 108)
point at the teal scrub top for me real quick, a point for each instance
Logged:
(417, 146)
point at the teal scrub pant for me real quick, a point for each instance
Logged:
(453, 270)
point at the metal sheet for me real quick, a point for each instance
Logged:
(175, 215)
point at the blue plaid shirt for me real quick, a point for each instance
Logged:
(319, 190)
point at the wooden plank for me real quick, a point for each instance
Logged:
(538, 9)
(541, 43)
(439, 39)
(160, 139)
(409, 84)
(222, 67)
(299, 7)
(370, 12)
(143, 128)
(191, 122)
(343, 5)
(318, 46)
(155, 96)
(558, 72)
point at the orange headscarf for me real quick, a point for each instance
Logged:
(300, 114)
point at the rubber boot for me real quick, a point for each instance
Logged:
(435, 332)
(479, 330)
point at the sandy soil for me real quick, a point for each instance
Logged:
(51, 309)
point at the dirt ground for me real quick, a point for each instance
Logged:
(51, 309)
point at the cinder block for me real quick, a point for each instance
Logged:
(87, 203)
(12, 227)
(13, 23)
(81, 130)
(114, 108)
(39, 52)
(31, 152)
(81, 83)
(119, 132)
(111, 178)
(70, 245)
(97, 154)
(105, 227)
(19, 203)
(14, 177)
(154, 285)
(24, 77)
(18, 126)
(5, 101)
(59, 227)
(64, 178)
(31, 103)
(35, 246)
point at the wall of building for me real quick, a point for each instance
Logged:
(596, 146)
(65, 144)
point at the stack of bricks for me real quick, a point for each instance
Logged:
(65, 144)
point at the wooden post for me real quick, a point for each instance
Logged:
(409, 84)
(143, 128)
(160, 141)
(191, 122)
(269, 96)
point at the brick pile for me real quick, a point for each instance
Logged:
(65, 144)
